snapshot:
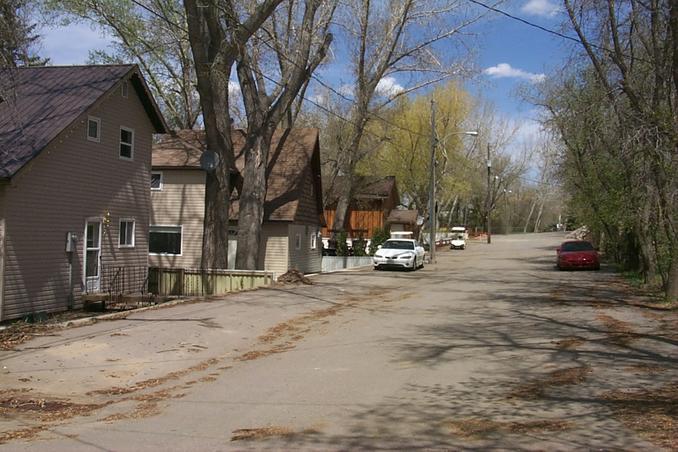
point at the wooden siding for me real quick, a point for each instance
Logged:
(181, 202)
(307, 212)
(71, 180)
(362, 223)
(305, 259)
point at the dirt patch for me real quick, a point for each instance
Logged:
(153, 382)
(563, 377)
(652, 413)
(646, 368)
(618, 331)
(294, 277)
(474, 428)
(46, 410)
(20, 332)
(569, 343)
(250, 434)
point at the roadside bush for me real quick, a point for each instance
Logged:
(379, 236)
(359, 247)
(342, 246)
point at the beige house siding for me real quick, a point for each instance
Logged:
(304, 259)
(71, 180)
(181, 202)
(274, 247)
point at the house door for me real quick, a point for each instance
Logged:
(92, 257)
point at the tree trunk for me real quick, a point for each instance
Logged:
(672, 287)
(342, 211)
(529, 216)
(537, 221)
(251, 204)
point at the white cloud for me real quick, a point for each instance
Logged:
(542, 8)
(388, 86)
(504, 70)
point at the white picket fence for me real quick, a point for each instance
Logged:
(334, 263)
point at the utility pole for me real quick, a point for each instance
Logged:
(489, 200)
(432, 189)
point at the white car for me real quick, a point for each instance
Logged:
(458, 243)
(403, 253)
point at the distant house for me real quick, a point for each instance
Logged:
(403, 220)
(371, 205)
(292, 212)
(75, 161)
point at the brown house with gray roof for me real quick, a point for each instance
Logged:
(293, 213)
(374, 200)
(75, 161)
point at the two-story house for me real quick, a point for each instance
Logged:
(75, 164)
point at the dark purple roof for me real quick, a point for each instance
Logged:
(39, 102)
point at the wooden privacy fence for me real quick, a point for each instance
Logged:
(198, 282)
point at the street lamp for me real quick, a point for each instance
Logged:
(433, 215)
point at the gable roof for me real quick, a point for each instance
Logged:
(367, 188)
(402, 217)
(42, 101)
(290, 167)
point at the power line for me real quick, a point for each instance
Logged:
(550, 31)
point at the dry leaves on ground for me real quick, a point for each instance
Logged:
(562, 377)
(474, 428)
(652, 413)
(618, 331)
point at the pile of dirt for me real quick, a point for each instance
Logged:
(294, 277)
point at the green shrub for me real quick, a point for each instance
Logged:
(342, 247)
(378, 237)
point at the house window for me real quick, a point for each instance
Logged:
(125, 89)
(314, 241)
(297, 241)
(126, 237)
(126, 143)
(93, 129)
(165, 240)
(156, 180)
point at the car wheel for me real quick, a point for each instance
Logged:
(597, 267)
(463, 247)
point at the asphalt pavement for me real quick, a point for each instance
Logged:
(489, 348)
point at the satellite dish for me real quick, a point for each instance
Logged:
(209, 160)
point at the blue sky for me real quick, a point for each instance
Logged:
(508, 54)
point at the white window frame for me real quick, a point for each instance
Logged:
(297, 241)
(314, 240)
(96, 139)
(162, 180)
(122, 157)
(181, 242)
(124, 89)
(134, 232)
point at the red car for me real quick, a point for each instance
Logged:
(577, 254)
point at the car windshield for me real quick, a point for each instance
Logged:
(398, 245)
(576, 246)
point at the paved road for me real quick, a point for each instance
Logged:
(489, 348)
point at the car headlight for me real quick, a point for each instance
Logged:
(378, 255)
(406, 256)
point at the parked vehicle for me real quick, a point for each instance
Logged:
(459, 237)
(575, 254)
(399, 253)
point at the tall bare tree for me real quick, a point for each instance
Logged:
(217, 32)
(386, 41)
(17, 35)
(295, 40)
